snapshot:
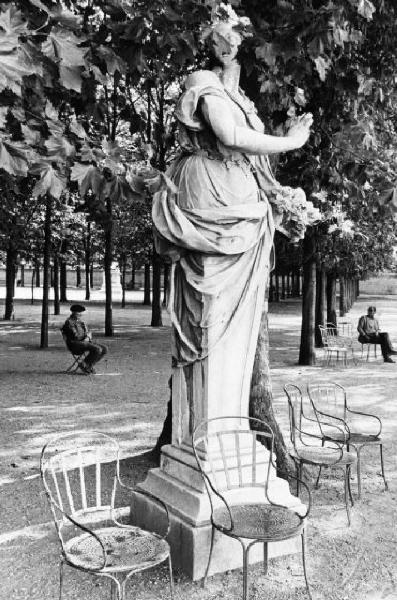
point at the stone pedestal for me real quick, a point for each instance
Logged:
(216, 386)
(179, 485)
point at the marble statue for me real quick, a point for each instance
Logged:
(216, 225)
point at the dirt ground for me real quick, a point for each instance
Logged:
(127, 399)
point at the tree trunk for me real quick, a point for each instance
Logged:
(87, 261)
(357, 288)
(78, 276)
(321, 288)
(46, 273)
(146, 291)
(307, 354)
(37, 272)
(156, 302)
(32, 286)
(166, 284)
(123, 282)
(57, 308)
(108, 271)
(342, 297)
(276, 288)
(133, 277)
(260, 403)
(22, 275)
(11, 260)
(63, 275)
(331, 299)
(91, 275)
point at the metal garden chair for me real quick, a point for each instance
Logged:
(309, 446)
(81, 476)
(334, 346)
(358, 429)
(230, 458)
(78, 359)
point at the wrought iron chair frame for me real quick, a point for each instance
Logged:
(296, 430)
(264, 431)
(119, 576)
(331, 345)
(368, 350)
(358, 441)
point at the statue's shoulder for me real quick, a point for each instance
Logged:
(202, 79)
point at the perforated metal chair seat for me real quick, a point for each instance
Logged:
(127, 549)
(355, 438)
(258, 521)
(324, 456)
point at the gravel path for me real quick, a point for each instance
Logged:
(127, 399)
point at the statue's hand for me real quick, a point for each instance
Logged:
(300, 129)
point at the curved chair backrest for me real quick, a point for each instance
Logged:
(232, 453)
(329, 398)
(295, 411)
(73, 468)
(303, 423)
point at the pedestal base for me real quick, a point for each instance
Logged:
(179, 485)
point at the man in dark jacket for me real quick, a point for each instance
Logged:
(79, 340)
(369, 333)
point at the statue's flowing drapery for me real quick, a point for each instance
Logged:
(216, 225)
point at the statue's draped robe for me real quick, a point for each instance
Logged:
(216, 225)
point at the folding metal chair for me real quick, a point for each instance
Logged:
(78, 359)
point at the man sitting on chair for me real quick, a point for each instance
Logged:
(78, 339)
(368, 329)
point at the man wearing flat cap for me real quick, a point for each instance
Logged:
(79, 340)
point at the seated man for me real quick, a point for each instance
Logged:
(78, 339)
(368, 329)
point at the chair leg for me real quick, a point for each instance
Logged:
(209, 557)
(171, 578)
(303, 536)
(265, 558)
(299, 476)
(382, 466)
(318, 478)
(60, 579)
(358, 451)
(350, 488)
(245, 572)
(347, 475)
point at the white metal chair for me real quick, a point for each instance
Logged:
(334, 346)
(356, 429)
(309, 447)
(230, 457)
(81, 476)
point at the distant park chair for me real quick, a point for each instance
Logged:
(230, 457)
(334, 346)
(366, 350)
(308, 446)
(78, 359)
(81, 476)
(357, 429)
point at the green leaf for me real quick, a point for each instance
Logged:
(12, 22)
(70, 77)
(366, 9)
(13, 159)
(112, 61)
(50, 182)
(88, 178)
(59, 148)
(322, 65)
(62, 45)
